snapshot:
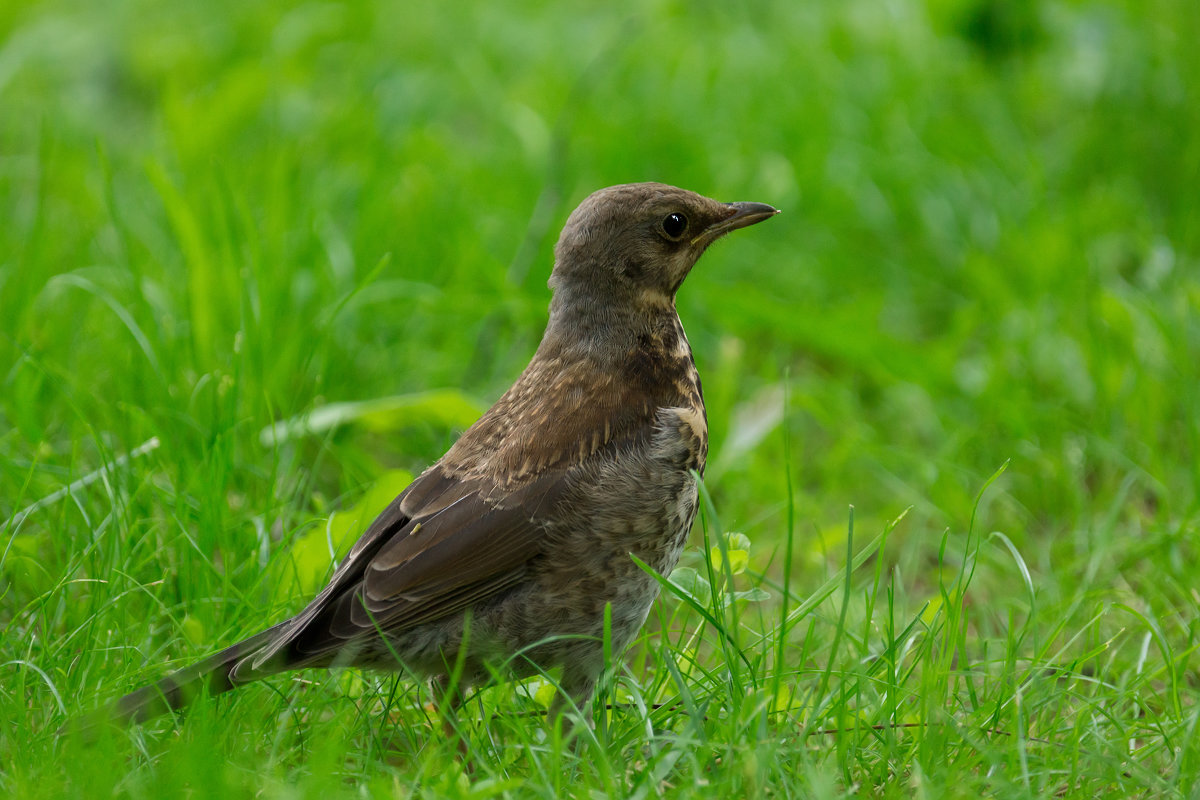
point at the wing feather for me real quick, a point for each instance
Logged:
(445, 544)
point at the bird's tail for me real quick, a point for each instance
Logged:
(214, 674)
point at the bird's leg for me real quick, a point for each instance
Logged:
(448, 697)
(574, 699)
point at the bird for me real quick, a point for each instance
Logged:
(514, 546)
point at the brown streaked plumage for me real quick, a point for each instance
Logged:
(526, 526)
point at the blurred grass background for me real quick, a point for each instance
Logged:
(215, 216)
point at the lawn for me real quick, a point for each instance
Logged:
(952, 510)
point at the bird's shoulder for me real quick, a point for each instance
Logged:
(565, 409)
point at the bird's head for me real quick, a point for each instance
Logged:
(634, 244)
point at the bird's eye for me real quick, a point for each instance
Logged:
(674, 225)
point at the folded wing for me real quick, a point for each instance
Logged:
(443, 545)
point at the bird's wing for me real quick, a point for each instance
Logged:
(442, 545)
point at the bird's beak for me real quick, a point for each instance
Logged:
(740, 215)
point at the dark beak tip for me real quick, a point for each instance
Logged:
(740, 215)
(745, 214)
(754, 209)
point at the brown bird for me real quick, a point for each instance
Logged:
(507, 550)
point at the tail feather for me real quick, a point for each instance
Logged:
(214, 674)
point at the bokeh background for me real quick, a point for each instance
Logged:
(215, 216)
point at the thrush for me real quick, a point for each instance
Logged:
(509, 548)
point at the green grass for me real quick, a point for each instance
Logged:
(216, 216)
